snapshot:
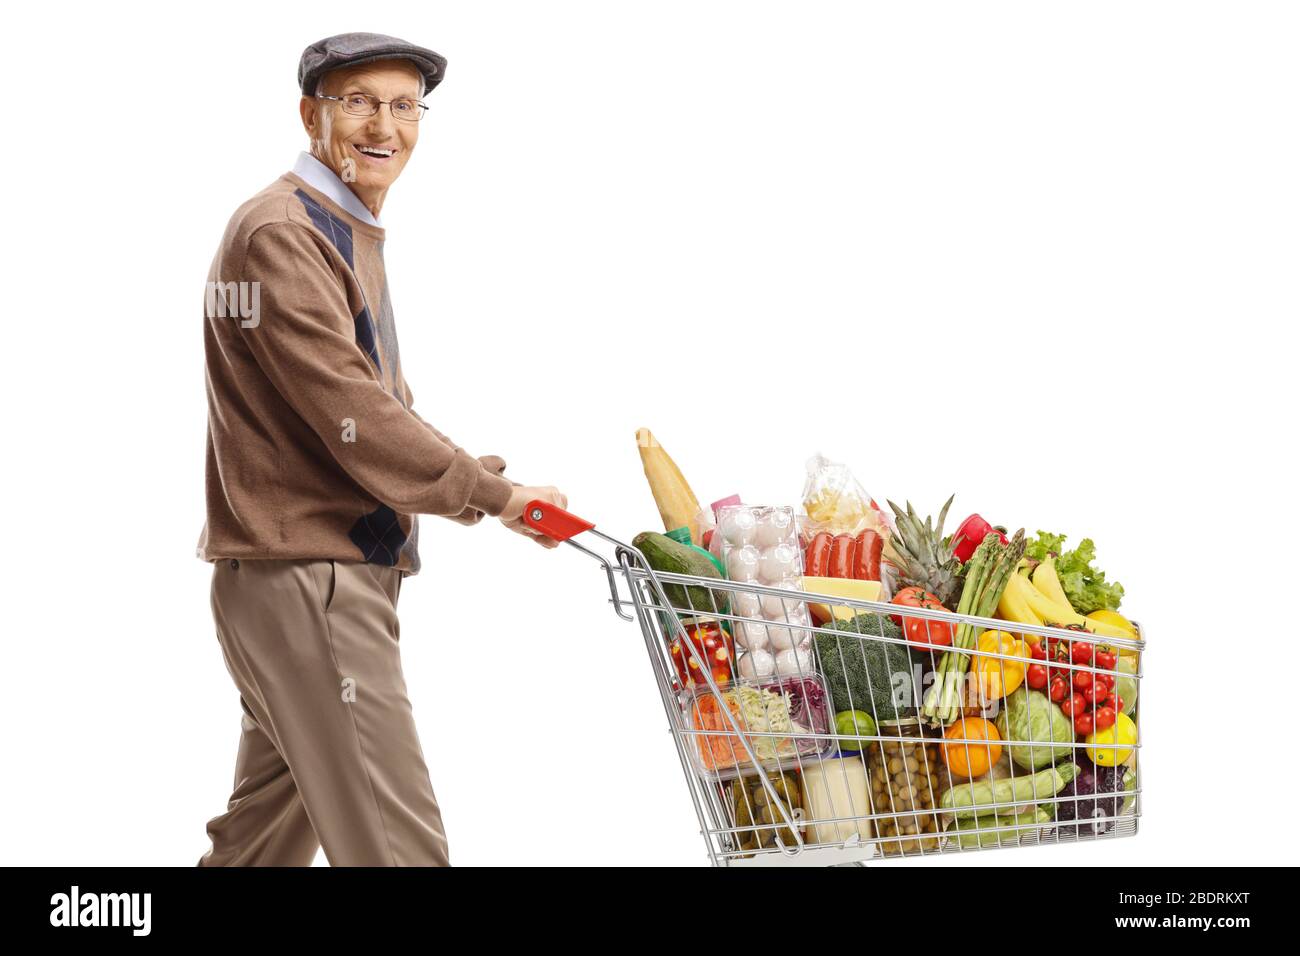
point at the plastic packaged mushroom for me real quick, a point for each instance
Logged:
(760, 545)
(906, 780)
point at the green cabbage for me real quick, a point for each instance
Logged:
(1028, 715)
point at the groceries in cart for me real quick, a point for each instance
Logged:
(852, 676)
(777, 717)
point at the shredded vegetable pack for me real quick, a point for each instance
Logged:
(847, 683)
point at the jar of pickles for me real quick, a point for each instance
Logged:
(751, 806)
(905, 777)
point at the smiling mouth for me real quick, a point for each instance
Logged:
(375, 154)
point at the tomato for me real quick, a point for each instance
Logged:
(1082, 680)
(919, 631)
(1059, 652)
(1104, 680)
(1104, 717)
(1057, 692)
(1073, 705)
(1081, 653)
(970, 759)
(1036, 676)
(1038, 651)
(1083, 724)
(1095, 694)
(1114, 702)
(1105, 660)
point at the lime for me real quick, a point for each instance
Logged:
(854, 722)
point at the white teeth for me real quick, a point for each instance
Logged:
(376, 150)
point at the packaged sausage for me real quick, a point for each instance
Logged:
(845, 533)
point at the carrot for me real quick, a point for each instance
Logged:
(718, 751)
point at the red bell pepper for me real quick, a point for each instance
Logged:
(970, 533)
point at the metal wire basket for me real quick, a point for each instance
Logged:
(774, 778)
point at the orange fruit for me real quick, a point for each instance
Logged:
(965, 757)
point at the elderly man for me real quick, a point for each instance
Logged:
(317, 465)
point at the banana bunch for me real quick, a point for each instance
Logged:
(1037, 598)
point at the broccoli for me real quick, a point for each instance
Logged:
(867, 675)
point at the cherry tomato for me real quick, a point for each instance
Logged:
(1103, 717)
(1073, 705)
(1095, 694)
(1038, 652)
(1115, 703)
(1105, 680)
(1036, 676)
(1105, 660)
(1082, 680)
(1081, 653)
(1083, 724)
(1057, 693)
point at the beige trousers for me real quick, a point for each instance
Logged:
(329, 755)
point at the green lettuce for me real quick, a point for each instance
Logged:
(1084, 585)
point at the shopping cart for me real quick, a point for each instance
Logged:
(777, 780)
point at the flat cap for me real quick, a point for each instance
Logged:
(354, 49)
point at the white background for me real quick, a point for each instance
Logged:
(1043, 255)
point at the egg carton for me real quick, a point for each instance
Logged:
(760, 546)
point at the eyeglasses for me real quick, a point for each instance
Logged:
(363, 104)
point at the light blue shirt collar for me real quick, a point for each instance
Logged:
(323, 179)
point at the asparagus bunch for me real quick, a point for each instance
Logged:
(987, 574)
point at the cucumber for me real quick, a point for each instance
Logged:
(664, 554)
(966, 799)
(984, 830)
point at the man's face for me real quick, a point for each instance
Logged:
(369, 152)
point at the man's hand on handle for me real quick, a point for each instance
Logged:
(512, 516)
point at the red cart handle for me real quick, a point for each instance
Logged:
(553, 521)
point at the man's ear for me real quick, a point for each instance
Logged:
(307, 107)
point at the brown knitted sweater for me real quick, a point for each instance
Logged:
(314, 450)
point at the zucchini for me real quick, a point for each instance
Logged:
(985, 830)
(968, 799)
(662, 553)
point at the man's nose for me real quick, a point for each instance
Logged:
(382, 123)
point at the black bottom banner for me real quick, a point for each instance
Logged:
(210, 906)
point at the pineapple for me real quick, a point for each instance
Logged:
(924, 557)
